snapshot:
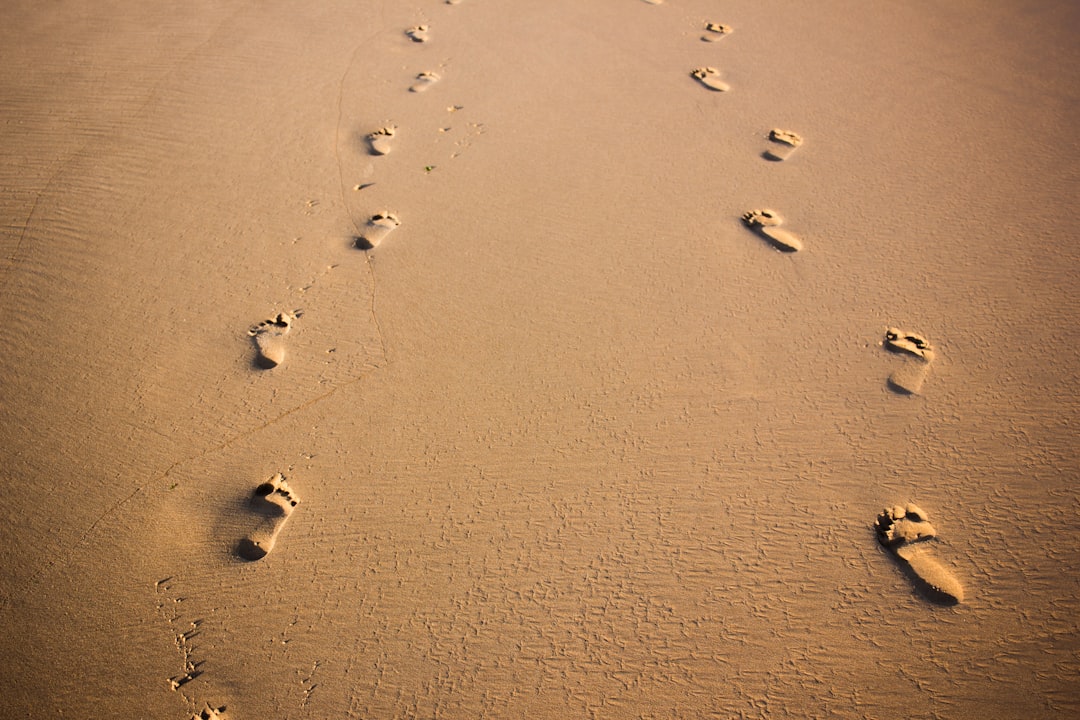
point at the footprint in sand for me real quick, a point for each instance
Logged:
(273, 502)
(715, 32)
(654, 2)
(424, 80)
(210, 713)
(378, 227)
(453, 2)
(785, 142)
(418, 34)
(710, 78)
(907, 532)
(909, 379)
(380, 141)
(269, 338)
(766, 223)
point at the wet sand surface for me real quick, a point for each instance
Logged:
(563, 435)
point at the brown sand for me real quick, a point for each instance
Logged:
(571, 441)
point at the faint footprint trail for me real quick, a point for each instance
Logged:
(184, 633)
(159, 479)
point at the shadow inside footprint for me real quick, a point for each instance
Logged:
(766, 223)
(909, 379)
(272, 503)
(418, 33)
(423, 81)
(905, 531)
(269, 339)
(785, 144)
(378, 227)
(710, 78)
(714, 32)
(380, 142)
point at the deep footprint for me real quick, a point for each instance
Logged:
(273, 502)
(418, 34)
(380, 141)
(910, 378)
(210, 713)
(378, 227)
(786, 143)
(710, 78)
(423, 81)
(269, 338)
(766, 223)
(715, 32)
(906, 532)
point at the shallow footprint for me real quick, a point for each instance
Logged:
(767, 223)
(786, 143)
(909, 379)
(210, 713)
(906, 531)
(424, 80)
(273, 501)
(380, 141)
(418, 34)
(378, 227)
(715, 32)
(269, 338)
(710, 78)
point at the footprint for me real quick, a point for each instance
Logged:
(767, 223)
(378, 227)
(655, 2)
(715, 32)
(909, 379)
(380, 140)
(210, 713)
(906, 532)
(710, 78)
(453, 2)
(425, 80)
(273, 501)
(418, 33)
(269, 337)
(787, 142)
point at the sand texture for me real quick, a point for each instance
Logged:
(380, 359)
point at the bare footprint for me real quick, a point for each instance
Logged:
(380, 141)
(269, 338)
(710, 78)
(210, 713)
(909, 378)
(273, 502)
(766, 223)
(424, 80)
(906, 531)
(378, 227)
(419, 33)
(786, 143)
(715, 32)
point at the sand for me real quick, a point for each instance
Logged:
(566, 437)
